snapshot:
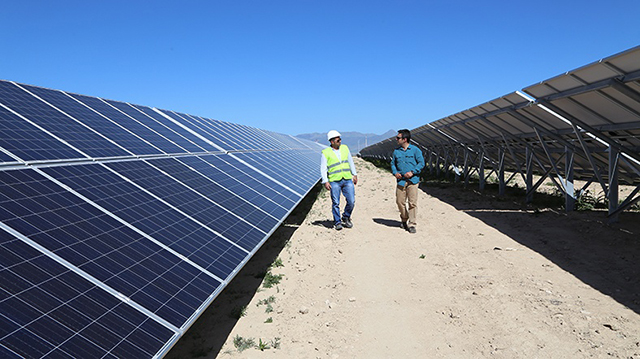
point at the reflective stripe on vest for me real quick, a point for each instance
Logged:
(337, 169)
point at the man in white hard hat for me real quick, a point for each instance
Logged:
(339, 176)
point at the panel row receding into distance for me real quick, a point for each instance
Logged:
(581, 125)
(119, 223)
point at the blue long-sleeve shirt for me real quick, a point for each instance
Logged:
(409, 160)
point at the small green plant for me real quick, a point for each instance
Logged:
(270, 279)
(422, 256)
(271, 299)
(269, 308)
(277, 263)
(243, 344)
(262, 345)
(269, 320)
(275, 343)
(238, 312)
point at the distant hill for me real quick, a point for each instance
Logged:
(355, 140)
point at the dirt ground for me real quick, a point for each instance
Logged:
(484, 277)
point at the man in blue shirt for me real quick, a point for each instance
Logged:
(406, 164)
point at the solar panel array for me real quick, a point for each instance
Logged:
(584, 124)
(120, 223)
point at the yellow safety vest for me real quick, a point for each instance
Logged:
(337, 169)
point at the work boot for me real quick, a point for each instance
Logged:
(412, 229)
(347, 222)
(338, 226)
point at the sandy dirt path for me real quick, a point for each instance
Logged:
(484, 277)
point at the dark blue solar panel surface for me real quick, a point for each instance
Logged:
(5, 157)
(29, 142)
(182, 144)
(90, 118)
(117, 239)
(102, 246)
(203, 145)
(153, 217)
(129, 123)
(221, 139)
(202, 182)
(262, 184)
(241, 184)
(48, 310)
(288, 162)
(211, 214)
(57, 123)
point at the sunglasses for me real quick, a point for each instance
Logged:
(398, 138)
(338, 139)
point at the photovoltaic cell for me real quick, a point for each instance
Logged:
(90, 118)
(241, 183)
(46, 310)
(205, 147)
(101, 246)
(262, 183)
(57, 123)
(152, 216)
(288, 162)
(29, 142)
(232, 202)
(5, 158)
(129, 123)
(180, 142)
(187, 200)
(193, 124)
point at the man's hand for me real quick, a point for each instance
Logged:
(355, 180)
(327, 185)
(398, 175)
(408, 174)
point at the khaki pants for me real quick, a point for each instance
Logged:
(408, 193)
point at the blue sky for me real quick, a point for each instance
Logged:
(308, 66)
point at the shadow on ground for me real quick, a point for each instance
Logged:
(326, 223)
(605, 257)
(217, 321)
(387, 222)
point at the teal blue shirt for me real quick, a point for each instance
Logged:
(409, 160)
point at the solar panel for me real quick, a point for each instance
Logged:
(584, 124)
(120, 224)
(46, 309)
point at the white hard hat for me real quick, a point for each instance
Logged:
(333, 133)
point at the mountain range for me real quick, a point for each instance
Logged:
(355, 140)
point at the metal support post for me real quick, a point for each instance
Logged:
(569, 196)
(501, 183)
(529, 174)
(466, 170)
(481, 171)
(613, 184)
